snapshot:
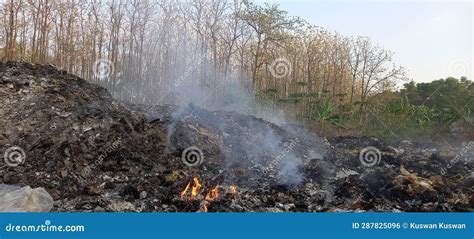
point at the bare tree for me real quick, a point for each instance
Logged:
(154, 43)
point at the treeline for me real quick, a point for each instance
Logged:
(433, 111)
(152, 44)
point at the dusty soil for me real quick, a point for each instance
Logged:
(92, 153)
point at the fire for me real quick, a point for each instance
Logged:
(210, 196)
(233, 190)
(213, 194)
(194, 190)
(185, 190)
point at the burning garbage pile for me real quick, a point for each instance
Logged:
(193, 193)
(93, 153)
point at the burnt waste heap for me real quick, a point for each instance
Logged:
(93, 153)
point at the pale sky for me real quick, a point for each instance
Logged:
(431, 39)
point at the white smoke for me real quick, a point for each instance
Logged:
(195, 81)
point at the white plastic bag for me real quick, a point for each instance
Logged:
(24, 199)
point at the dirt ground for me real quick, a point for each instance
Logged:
(92, 153)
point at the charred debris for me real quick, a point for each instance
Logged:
(93, 153)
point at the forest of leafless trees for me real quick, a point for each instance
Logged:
(152, 43)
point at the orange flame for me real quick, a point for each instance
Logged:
(185, 190)
(233, 189)
(196, 188)
(210, 196)
(213, 194)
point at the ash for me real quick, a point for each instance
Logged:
(94, 153)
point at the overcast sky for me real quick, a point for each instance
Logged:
(432, 39)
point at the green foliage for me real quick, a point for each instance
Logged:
(296, 95)
(295, 100)
(283, 101)
(324, 114)
(361, 102)
(271, 92)
(312, 94)
(418, 110)
(301, 83)
(425, 110)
